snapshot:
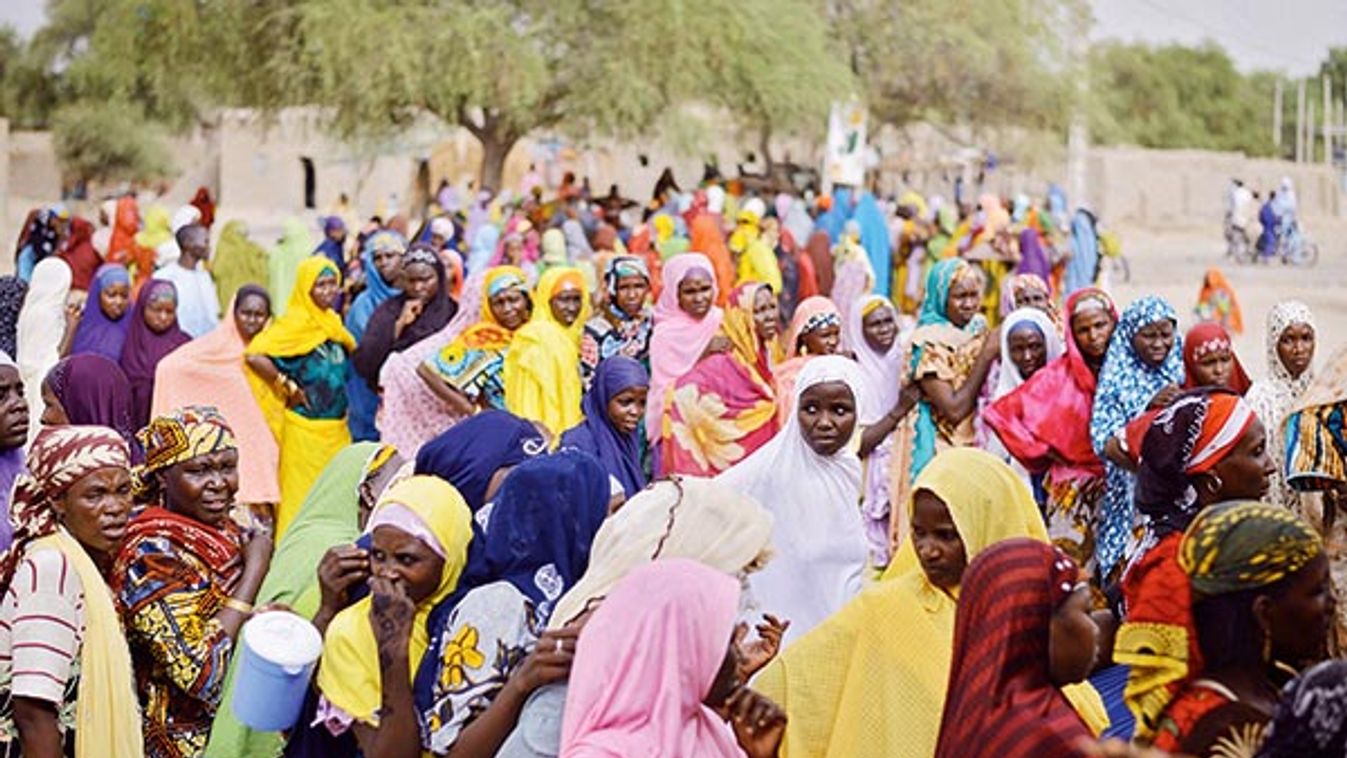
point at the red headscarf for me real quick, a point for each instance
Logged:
(202, 202)
(125, 224)
(1205, 338)
(1001, 702)
(79, 252)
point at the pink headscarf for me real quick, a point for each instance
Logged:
(678, 339)
(645, 662)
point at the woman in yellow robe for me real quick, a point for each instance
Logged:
(542, 369)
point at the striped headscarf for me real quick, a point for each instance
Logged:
(1245, 545)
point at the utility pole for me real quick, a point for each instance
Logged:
(1300, 121)
(1310, 138)
(1328, 120)
(1078, 133)
(1277, 117)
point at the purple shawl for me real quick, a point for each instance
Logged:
(11, 465)
(619, 453)
(1032, 258)
(94, 392)
(98, 334)
(144, 349)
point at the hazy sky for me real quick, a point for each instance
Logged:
(1289, 35)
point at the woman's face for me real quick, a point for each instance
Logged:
(1073, 640)
(1214, 368)
(53, 414)
(627, 408)
(1245, 473)
(324, 292)
(511, 308)
(940, 549)
(631, 294)
(1028, 349)
(880, 329)
(1301, 615)
(13, 409)
(965, 300)
(766, 314)
(203, 488)
(566, 306)
(1032, 298)
(1092, 330)
(397, 555)
(388, 263)
(695, 294)
(96, 509)
(114, 300)
(1154, 341)
(420, 282)
(514, 252)
(1295, 348)
(160, 314)
(822, 341)
(827, 415)
(250, 315)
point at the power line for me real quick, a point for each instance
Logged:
(1224, 37)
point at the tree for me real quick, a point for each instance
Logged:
(108, 142)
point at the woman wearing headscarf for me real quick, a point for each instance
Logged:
(210, 371)
(725, 408)
(1311, 718)
(1259, 579)
(670, 703)
(484, 239)
(205, 206)
(1217, 302)
(90, 390)
(68, 687)
(706, 237)
(78, 252)
(106, 318)
(294, 246)
(186, 577)
(237, 261)
(1033, 259)
(808, 475)
(486, 656)
(12, 293)
(468, 374)
(153, 334)
(686, 325)
(542, 369)
(870, 681)
(1026, 291)
(1291, 339)
(40, 339)
(1021, 633)
(301, 356)
(1209, 359)
(42, 236)
(1143, 369)
(1029, 340)
(855, 277)
(1082, 268)
(815, 330)
(381, 260)
(478, 453)
(419, 534)
(125, 224)
(875, 239)
(624, 322)
(1044, 424)
(151, 244)
(611, 420)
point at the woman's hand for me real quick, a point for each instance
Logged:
(759, 724)
(261, 543)
(1165, 397)
(549, 662)
(342, 567)
(718, 344)
(411, 310)
(754, 655)
(391, 614)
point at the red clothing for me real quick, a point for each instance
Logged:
(1205, 714)
(79, 252)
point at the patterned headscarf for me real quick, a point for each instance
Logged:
(1311, 719)
(1245, 545)
(180, 436)
(12, 291)
(58, 457)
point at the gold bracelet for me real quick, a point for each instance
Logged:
(234, 604)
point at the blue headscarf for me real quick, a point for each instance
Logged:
(1126, 385)
(1083, 267)
(876, 241)
(836, 217)
(97, 334)
(483, 248)
(469, 453)
(619, 453)
(376, 289)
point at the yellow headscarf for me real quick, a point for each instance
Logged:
(304, 326)
(157, 229)
(542, 378)
(349, 675)
(870, 681)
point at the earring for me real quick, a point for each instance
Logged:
(1215, 483)
(1267, 648)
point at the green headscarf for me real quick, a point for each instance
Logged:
(294, 247)
(1238, 546)
(238, 261)
(934, 308)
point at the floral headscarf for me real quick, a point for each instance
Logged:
(180, 436)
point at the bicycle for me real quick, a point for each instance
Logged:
(1238, 246)
(1297, 249)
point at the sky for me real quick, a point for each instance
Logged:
(1287, 35)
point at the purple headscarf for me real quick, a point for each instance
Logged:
(619, 453)
(12, 463)
(1032, 258)
(97, 334)
(94, 392)
(144, 349)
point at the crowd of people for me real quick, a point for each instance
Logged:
(716, 474)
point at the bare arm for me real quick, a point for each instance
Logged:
(956, 404)
(1113, 451)
(873, 436)
(264, 367)
(458, 403)
(397, 736)
(38, 732)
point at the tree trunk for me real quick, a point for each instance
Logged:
(496, 145)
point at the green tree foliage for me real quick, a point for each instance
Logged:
(108, 141)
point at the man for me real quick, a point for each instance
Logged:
(198, 301)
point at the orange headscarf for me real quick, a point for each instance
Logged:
(1217, 301)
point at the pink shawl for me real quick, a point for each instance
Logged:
(678, 339)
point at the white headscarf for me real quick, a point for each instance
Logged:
(1272, 398)
(715, 199)
(883, 372)
(40, 330)
(1009, 377)
(819, 544)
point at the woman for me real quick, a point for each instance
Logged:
(950, 357)
(815, 330)
(104, 324)
(486, 656)
(1217, 302)
(1082, 266)
(686, 325)
(1262, 600)
(381, 261)
(855, 276)
(542, 369)
(1291, 339)
(89, 390)
(883, 662)
(809, 477)
(294, 246)
(1029, 341)
(478, 453)
(1209, 359)
(45, 329)
(469, 373)
(78, 252)
(671, 702)
(419, 534)
(1205, 448)
(624, 324)
(724, 409)
(154, 333)
(1044, 424)
(210, 371)
(1026, 291)
(1022, 631)
(13, 290)
(125, 224)
(43, 232)
(301, 357)
(186, 577)
(610, 430)
(66, 684)
(1143, 369)
(1309, 722)
(237, 261)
